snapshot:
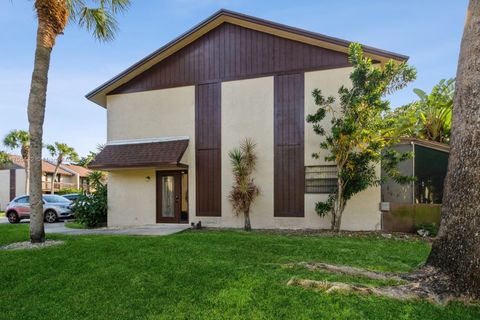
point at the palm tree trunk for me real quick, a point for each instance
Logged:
(248, 226)
(456, 250)
(26, 164)
(36, 115)
(55, 173)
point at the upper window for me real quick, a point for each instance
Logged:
(320, 179)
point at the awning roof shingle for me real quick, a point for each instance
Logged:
(138, 155)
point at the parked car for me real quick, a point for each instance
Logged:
(54, 207)
(72, 196)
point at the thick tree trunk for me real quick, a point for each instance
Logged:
(36, 115)
(457, 248)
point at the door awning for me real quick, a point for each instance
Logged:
(140, 155)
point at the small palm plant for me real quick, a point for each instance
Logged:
(62, 152)
(244, 191)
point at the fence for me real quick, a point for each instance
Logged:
(404, 217)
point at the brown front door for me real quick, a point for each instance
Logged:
(169, 191)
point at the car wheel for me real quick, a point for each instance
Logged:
(50, 216)
(12, 217)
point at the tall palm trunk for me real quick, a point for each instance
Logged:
(457, 248)
(36, 115)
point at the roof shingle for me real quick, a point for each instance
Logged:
(137, 155)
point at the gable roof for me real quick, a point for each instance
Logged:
(81, 171)
(138, 154)
(99, 94)
(17, 163)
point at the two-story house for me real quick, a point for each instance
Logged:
(173, 117)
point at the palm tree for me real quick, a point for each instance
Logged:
(244, 191)
(4, 159)
(53, 16)
(435, 111)
(20, 139)
(61, 152)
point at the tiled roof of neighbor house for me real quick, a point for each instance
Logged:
(98, 95)
(427, 143)
(46, 166)
(83, 172)
(136, 155)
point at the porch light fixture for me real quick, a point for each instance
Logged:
(147, 179)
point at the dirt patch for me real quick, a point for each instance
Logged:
(28, 245)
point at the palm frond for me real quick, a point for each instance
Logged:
(100, 20)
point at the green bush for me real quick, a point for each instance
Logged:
(68, 191)
(91, 209)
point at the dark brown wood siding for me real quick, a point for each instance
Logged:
(289, 159)
(208, 149)
(13, 183)
(231, 52)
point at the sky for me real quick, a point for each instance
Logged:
(428, 31)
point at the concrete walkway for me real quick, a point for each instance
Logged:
(150, 230)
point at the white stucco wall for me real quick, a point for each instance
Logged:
(149, 114)
(20, 182)
(362, 211)
(4, 188)
(247, 112)
(131, 199)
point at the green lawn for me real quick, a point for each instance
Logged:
(202, 275)
(2, 213)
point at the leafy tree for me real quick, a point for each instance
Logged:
(428, 118)
(61, 152)
(356, 141)
(97, 16)
(20, 139)
(85, 161)
(456, 251)
(244, 191)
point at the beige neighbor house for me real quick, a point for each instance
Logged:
(173, 117)
(12, 178)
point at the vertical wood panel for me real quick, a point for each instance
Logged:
(289, 145)
(231, 52)
(13, 183)
(208, 149)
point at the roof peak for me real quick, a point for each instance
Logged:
(220, 17)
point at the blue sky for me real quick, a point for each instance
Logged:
(429, 31)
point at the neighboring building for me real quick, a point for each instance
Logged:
(173, 117)
(79, 177)
(12, 178)
(405, 208)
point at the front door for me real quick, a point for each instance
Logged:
(169, 191)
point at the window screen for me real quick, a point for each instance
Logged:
(320, 179)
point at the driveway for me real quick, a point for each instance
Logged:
(149, 230)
